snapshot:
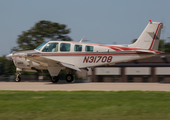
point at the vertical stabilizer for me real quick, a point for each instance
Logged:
(149, 39)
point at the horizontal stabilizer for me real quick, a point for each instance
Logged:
(70, 66)
(147, 51)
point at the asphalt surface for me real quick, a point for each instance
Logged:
(48, 86)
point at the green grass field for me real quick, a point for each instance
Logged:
(84, 105)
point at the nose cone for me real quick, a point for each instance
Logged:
(9, 56)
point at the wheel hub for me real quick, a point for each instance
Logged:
(69, 78)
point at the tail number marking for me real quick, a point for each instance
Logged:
(96, 59)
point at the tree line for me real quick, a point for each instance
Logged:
(7, 67)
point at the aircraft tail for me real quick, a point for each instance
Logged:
(149, 39)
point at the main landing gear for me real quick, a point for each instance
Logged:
(54, 79)
(69, 78)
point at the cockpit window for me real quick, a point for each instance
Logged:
(51, 47)
(65, 47)
(40, 46)
(78, 48)
(89, 48)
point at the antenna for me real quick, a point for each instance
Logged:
(81, 39)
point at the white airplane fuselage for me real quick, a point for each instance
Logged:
(101, 55)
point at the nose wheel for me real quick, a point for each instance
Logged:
(18, 78)
(69, 78)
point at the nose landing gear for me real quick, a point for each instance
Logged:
(69, 78)
(18, 78)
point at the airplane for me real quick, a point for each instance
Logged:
(55, 56)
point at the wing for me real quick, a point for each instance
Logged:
(43, 61)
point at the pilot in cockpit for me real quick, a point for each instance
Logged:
(55, 48)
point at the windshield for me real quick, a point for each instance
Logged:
(51, 47)
(40, 46)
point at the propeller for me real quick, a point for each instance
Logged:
(10, 56)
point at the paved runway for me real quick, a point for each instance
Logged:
(48, 86)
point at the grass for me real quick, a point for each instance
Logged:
(84, 105)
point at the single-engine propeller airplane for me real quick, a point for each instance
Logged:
(73, 56)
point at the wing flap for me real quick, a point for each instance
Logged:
(70, 66)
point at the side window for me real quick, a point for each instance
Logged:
(51, 47)
(65, 47)
(78, 48)
(89, 48)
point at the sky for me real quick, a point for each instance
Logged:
(100, 21)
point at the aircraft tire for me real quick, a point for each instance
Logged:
(69, 78)
(18, 79)
(54, 79)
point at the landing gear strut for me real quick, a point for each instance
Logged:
(69, 78)
(54, 79)
(18, 78)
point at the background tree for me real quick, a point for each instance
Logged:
(134, 40)
(161, 46)
(7, 67)
(39, 33)
(164, 46)
(167, 48)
